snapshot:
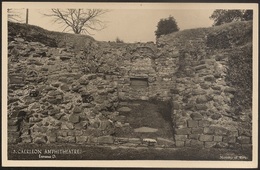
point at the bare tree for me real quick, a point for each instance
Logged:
(14, 15)
(79, 20)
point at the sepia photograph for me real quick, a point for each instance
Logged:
(130, 85)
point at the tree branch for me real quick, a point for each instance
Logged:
(79, 20)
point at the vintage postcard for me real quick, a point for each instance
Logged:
(159, 85)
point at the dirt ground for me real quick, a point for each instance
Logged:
(85, 152)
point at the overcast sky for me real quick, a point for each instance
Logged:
(131, 25)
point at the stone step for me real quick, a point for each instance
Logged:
(124, 109)
(145, 130)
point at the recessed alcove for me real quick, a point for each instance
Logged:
(139, 82)
(145, 119)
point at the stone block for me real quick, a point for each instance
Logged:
(13, 134)
(12, 122)
(196, 116)
(124, 109)
(199, 67)
(192, 123)
(105, 125)
(183, 131)
(52, 139)
(75, 132)
(181, 124)
(121, 140)
(77, 109)
(165, 142)
(204, 123)
(204, 86)
(26, 139)
(62, 133)
(67, 139)
(247, 147)
(198, 92)
(217, 138)
(208, 130)
(180, 137)
(179, 143)
(201, 107)
(210, 144)
(12, 140)
(174, 91)
(13, 128)
(40, 140)
(215, 116)
(230, 90)
(67, 126)
(58, 116)
(221, 145)
(15, 79)
(149, 141)
(92, 140)
(202, 99)
(194, 136)
(176, 106)
(215, 87)
(74, 118)
(81, 139)
(197, 130)
(206, 138)
(236, 146)
(196, 143)
(220, 130)
(233, 133)
(135, 140)
(188, 106)
(187, 142)
(245, 132)
(209, 78)
(229, 139)
(244, 139)
(105, 140)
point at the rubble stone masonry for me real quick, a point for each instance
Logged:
(68, 95)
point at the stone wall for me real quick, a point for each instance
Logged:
(51, 100)
(69, 93)
(202, 94)
(59, 94)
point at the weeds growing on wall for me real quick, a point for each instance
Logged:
(240, 77)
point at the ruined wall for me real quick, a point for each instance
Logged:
(69, 91)
(65, 95)
(203, 95)
(51, 100)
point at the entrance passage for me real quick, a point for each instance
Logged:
(145, 119)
